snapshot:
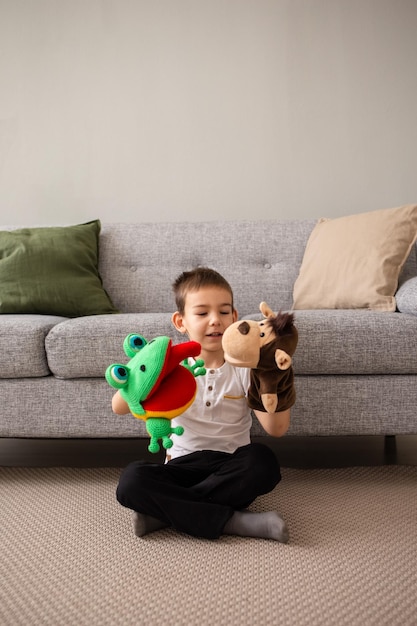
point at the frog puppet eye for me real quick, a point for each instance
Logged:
(134, 344)
(117, 375)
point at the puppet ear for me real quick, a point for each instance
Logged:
(266, 310)
(282, 359)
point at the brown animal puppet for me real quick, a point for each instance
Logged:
(267, 348)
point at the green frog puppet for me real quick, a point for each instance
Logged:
(157, 383)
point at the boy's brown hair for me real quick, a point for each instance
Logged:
(196, 279)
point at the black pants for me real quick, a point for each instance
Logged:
(199, 492)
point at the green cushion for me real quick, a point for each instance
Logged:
(52, 271)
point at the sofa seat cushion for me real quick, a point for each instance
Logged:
(355, 342)
(22, 345)
(345, 342)
(84, 347)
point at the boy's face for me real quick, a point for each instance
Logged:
(207, 314)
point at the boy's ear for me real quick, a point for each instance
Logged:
(235, 315)
(178, 322)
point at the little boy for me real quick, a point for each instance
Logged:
(213, 471)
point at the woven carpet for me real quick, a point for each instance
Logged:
(69, 557)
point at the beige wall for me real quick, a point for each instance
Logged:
(205, 109)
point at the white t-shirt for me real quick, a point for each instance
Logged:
(219, 418)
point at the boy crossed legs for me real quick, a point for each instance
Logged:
(205, 494)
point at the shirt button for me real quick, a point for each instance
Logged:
(211, 371)
(208, 403)
(210, 388)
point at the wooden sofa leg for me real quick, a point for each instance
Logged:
(390, 450)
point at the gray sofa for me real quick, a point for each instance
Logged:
(356, 370)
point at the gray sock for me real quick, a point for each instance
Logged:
(268, 525)
(144, 524)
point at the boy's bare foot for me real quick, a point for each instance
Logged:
(268, 525)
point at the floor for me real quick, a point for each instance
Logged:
(291, 451)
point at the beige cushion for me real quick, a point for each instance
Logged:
(354, 262)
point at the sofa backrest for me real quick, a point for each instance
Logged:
(261, 260)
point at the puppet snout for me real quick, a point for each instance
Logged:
(240, 345)
(243, 328)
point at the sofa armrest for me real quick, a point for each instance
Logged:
(406, 296)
